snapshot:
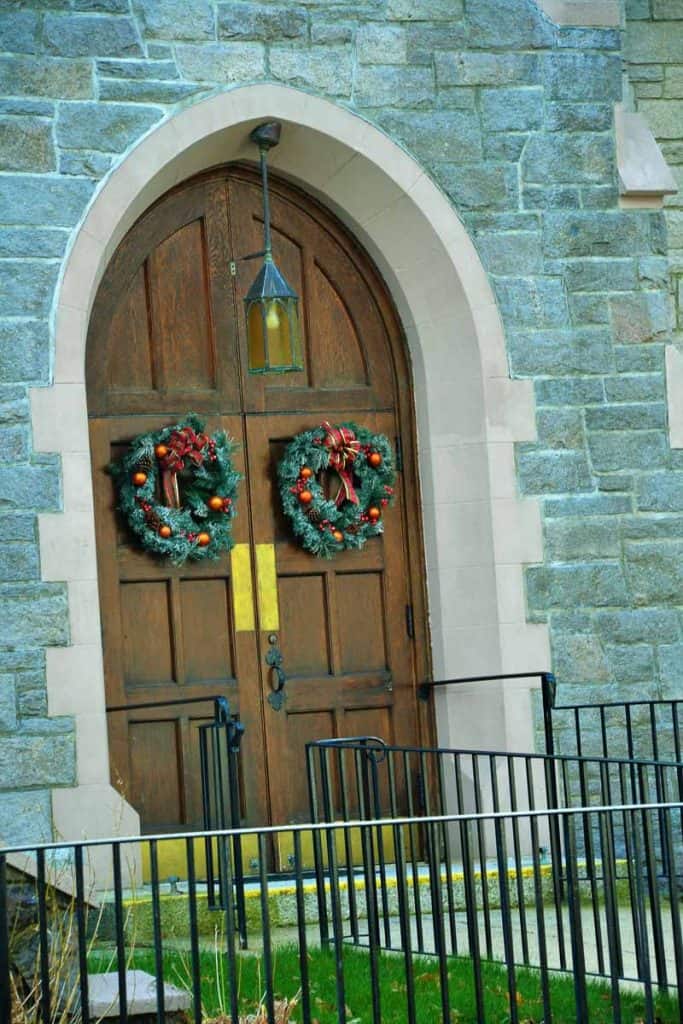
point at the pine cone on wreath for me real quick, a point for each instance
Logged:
(145, 463)
(314, 515)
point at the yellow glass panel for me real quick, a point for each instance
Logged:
(269, 613)
(242, 593)
(279, 341)
(257, 347)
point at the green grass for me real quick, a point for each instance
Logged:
(392, 987)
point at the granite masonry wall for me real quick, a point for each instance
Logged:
(513, 118)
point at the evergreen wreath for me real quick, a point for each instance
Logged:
(362, 461)
(194, 473)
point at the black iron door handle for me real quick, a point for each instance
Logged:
(274, 661)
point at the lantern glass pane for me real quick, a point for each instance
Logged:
(279, 337)
(255, 336)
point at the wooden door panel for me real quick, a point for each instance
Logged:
(147, 631)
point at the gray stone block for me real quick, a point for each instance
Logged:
(109, 127)
(322, 68)
(639, 625)
(592, 586)
(590, 539)
(37, 242)
(625, 416)
(670, 659)
(652, 43)
(578, 659)
(26, 486)
(393, 85)
(26, 144)
(8, 704)
(556, 471)
(517, 110)
(560, 428)
(90, 35)
(141, 992)
(637, 9)
(482, 186)
(45, 76)
(222, 62)
(104, 6)
(552, 352)
(14, 443)
(631, 663)
(573, 38)
(33, 614)
(657, 526)
(525, 302)
(81, 162)
(32, 199)
(20, 32)
(639, 387)
(475, 68)
(644, 316)
(381, 44)
(37, 760)
(514, 25)
(425, 40)
(424, 10)
(136, 91)
(158, 70)
(24, 351)
(655, 571)
(26, 817)
(573, 158)
(600, 275)
(588, 505)
(327, 33)
(639, 358)
(27, 287)
(32, 703)
(578, 117)
(593, 233)
(628, 450)
(660, 492)
(512, 253)
(553, 197)
(569, 391)
(176, 19)
(18, 561)
(444, 135)
(588, 308)
(653, 271)
(582, 77)
(265, 22)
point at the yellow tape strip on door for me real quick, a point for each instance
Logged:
(242, 591)
(266, 576)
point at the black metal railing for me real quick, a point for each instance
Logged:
(648, 729)
(219, 762)
(484, 919)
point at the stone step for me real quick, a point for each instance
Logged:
(141, 993)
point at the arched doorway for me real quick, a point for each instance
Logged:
(167, 336)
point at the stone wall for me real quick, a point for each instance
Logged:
(513, 117)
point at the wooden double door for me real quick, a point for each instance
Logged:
(167, 336)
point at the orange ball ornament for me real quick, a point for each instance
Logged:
(338, 536)
(161, 451)
(216, 503)
(374, 514)
(375, 459)
(305, 497)
(306, 472)
(203, 539)
(139, 479)
(165, 531)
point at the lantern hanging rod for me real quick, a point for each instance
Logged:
(266, 136)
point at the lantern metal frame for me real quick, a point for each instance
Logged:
(270, 294)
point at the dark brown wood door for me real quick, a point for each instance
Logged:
(167, 336)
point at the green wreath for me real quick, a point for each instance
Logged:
(362, 461)
(177, 490)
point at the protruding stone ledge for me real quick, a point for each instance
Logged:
(583, 13)
(644, 175)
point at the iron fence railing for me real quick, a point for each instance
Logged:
(78, 906)
(647, 729)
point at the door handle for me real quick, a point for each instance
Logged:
(276, 698)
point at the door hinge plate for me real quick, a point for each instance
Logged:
(399, 454)
(410, 621)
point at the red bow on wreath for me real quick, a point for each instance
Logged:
(182, 444)
(343, 448)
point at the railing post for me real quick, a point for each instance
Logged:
(548, 693)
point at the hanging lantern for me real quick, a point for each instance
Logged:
(271, 305)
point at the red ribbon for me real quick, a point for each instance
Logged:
(183, 445)
(343, 448)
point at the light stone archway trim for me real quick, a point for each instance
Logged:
(478, 533)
